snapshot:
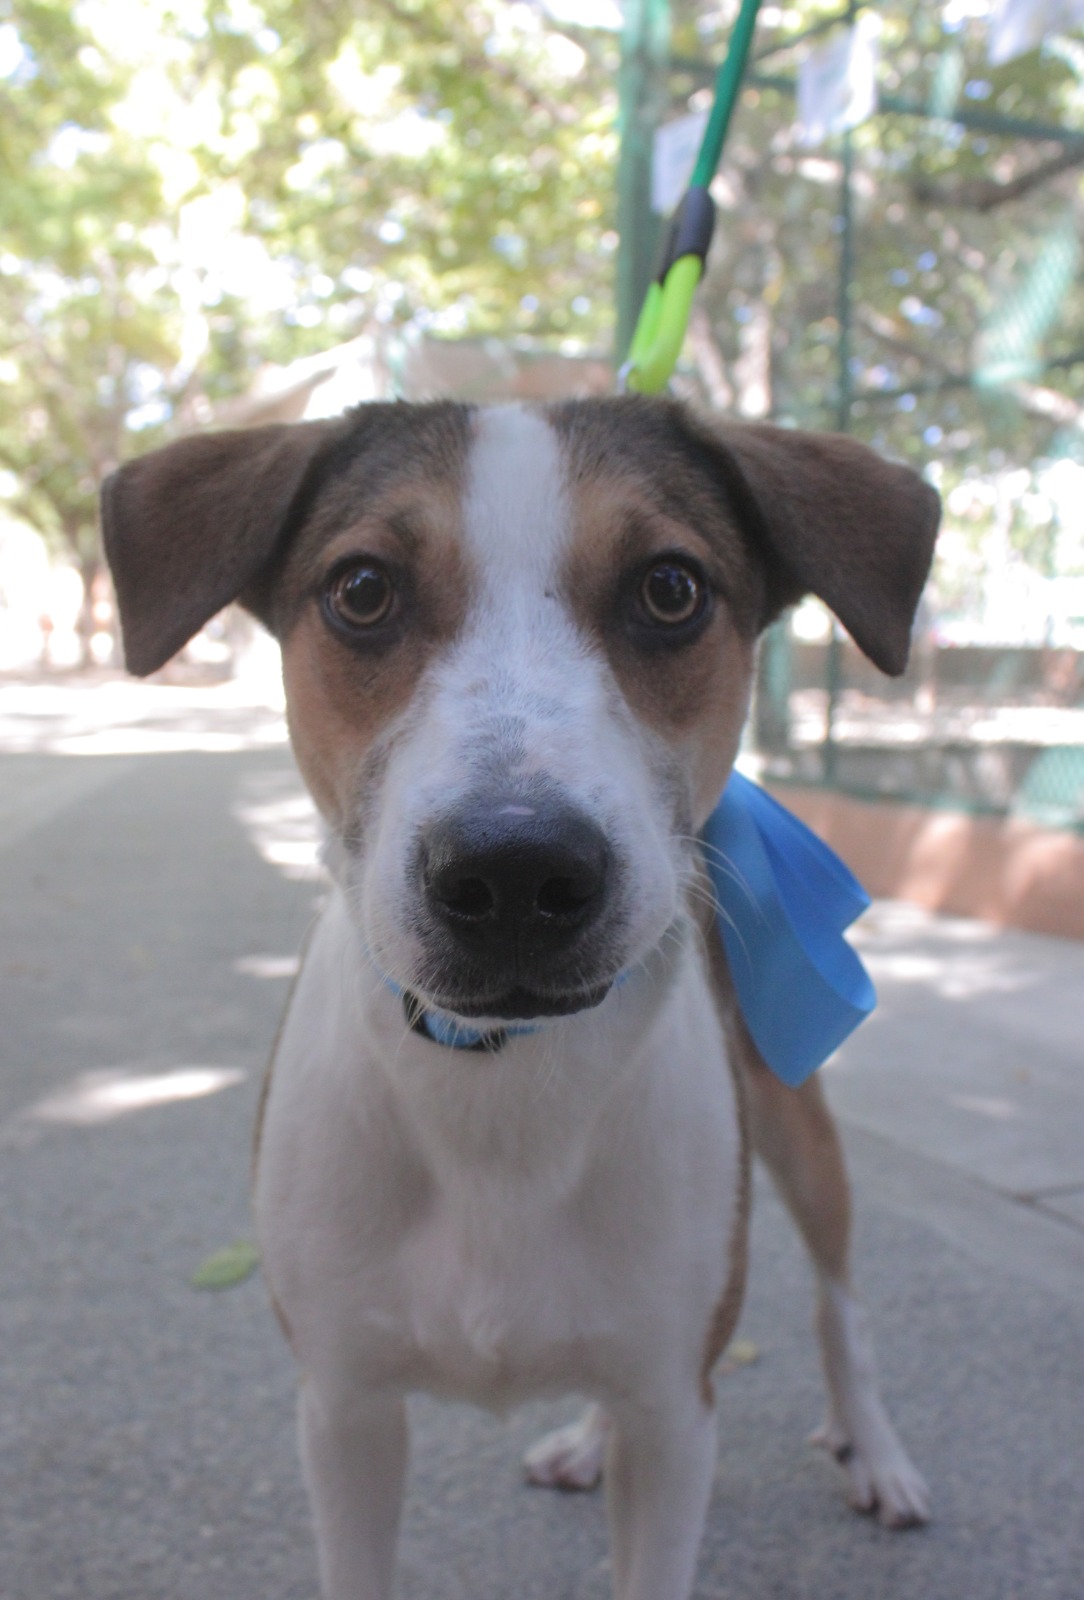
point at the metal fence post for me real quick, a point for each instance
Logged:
(844, 405)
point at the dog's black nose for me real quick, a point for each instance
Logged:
(533, 873)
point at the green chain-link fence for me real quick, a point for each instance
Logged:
(988, 729)
(914, 280)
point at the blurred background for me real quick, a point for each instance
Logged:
(225, 212)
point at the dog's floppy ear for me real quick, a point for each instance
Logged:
(189, 527)
(833, 519)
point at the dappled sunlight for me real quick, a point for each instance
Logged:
(282, 824)
(984, 1105)
(272, 967)
(110, 714)
(897, 919)
(99, 1097)
(951, 957)
(955, 976)
(973, 1056)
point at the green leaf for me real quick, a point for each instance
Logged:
(738, 1353)
(227, 1267)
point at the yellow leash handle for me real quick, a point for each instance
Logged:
(660, 330)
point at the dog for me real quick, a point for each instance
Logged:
(503, 1149)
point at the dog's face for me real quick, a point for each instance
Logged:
(516, 673)
(517, 650)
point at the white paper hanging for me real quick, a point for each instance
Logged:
(1018, 26)
(673, 157)
(837, 84)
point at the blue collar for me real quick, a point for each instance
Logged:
(784, 902)
(441, 1028)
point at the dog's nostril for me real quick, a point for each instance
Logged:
(468, 897)
(563, 897)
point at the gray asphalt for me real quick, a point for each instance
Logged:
(150, 907)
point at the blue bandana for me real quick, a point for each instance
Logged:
(784, 902)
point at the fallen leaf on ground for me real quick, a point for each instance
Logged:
(226, 1267)
(738, 1353)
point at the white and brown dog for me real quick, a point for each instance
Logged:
(517, 648)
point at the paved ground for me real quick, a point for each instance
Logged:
(151, 900)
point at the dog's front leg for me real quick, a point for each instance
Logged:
(659, 1473)
(354, 1451)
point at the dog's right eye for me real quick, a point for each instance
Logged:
(360, 595)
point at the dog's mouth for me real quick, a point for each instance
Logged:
(520, 1004)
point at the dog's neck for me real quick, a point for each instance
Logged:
(525, 1110)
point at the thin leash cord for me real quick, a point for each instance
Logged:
(727, 84)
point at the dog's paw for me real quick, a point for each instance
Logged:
(886, 1482)
(901, 1494)
(571, 1457)
(831, 1436)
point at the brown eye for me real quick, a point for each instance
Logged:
(360, 595)
(672, 594)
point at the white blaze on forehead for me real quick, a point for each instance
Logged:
(522, 664)
(517, 510)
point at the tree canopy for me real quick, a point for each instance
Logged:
(193, 188)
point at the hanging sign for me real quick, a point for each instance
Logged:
(673, 157)
(837, 85)
(1018, 26)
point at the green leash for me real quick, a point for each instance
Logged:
(664, 316)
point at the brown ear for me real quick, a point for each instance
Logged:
(833, 519)
(189, 527)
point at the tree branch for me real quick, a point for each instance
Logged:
(888, 333)
(986, 194)
(476, 63)
(708, 357)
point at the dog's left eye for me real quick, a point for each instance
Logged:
(360, 595)
(672, 593)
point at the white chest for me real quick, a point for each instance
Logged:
(494, 1310)
(493, 1228)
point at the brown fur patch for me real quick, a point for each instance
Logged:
(644, 450)
(402, 507)
(795, 1135)
(816, 513)
(725, 1316)
(638, 494)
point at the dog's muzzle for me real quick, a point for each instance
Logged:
(514, 893)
